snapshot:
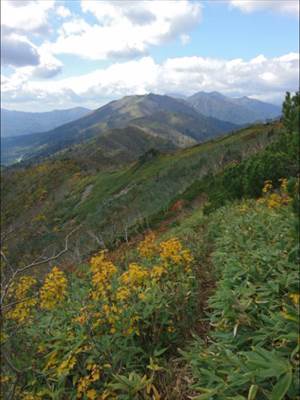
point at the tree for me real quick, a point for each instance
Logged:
(290, 111)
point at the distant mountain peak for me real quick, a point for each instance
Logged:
(243, 110)
(162, 119)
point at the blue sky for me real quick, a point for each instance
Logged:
(59, 54)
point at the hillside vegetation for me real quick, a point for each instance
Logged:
(43, 202)
(180, 282)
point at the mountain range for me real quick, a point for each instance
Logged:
(17, 123)
(125, 128)
(242, 110)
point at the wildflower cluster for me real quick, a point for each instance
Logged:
(84, 383)
(135, 275)
(171, 251)
(54, 289)
(148, 247)
(267, 186)
(20, 292)
(102, 273)
(66, 366)
(112, 321)
(275, 199)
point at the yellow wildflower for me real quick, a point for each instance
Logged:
(102, 273)
(283, 184)
(83, 385)
(20, 292)
(91, 394)
(54, 289)
(80, 319)
(135, 275)
(148, 248)
(172, 251)
(295, 297)
(267, 186)
(122, 294)
(66, 366)
(157, 271)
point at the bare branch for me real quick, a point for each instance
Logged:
(13, 303)
(35, 264)
(9, 363)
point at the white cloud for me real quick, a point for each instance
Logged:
(282, 6)
(63, 12)
(25, 16)
(21, 20)
(125, 28)
(260, 77)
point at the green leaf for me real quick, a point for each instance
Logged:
(252, 392)
(281, 387)
(158, 353)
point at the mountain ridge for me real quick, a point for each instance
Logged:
(19, 123)
(242, 110)
(188, 127)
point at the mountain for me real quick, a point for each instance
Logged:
(172, 120)
(235, 110)
(16, 123)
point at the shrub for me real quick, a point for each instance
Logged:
(253, 345)
(100, 332)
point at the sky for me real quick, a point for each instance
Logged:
(59, 54)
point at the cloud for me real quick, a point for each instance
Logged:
(21, 21)
(260, 77)
(46, 71)
(63, 12)
(282, 6)
(17, 51)
(20, 16)
(125, 29)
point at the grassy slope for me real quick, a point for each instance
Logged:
(60, 194)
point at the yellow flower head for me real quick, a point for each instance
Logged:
(21, 292)
(102, 273)
(148, 247)
(54, 289)
(135, 276)
(295, 297)
(172, 251)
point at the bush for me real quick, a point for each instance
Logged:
(253, 346)
(100, 332)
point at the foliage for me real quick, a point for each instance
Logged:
(246, 178)
(291, 111)
(99, 333)
(252, 352)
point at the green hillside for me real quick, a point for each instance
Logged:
(47, 200)
(172, 276)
